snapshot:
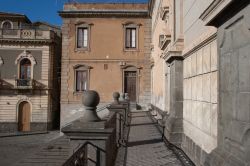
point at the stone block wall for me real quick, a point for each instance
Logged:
(200, 97)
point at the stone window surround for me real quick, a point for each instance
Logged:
(83, 25)
(25, 55)
(131, 25)
(81, 67)
(8, 22)
(137, 69)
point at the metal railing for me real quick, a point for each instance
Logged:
(24, 83)
(81, 157)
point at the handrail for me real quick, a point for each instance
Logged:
(80, 156)
(97, 147)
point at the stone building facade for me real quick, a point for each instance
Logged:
(106, 47)
(29, 74)
(203, 75)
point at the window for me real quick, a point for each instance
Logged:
(130, 38)
(6, 25)
(25, 69)
(82, 37)
(81, 80)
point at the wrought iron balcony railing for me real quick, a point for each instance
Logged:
(24, 83)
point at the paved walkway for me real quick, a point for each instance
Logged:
(13, 149)
(145, 146)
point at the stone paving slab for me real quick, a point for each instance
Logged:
(14, 149)
(145, 146)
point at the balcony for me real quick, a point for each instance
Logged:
(164, 40)
(164, 13)
(24, 83)
(32, 34)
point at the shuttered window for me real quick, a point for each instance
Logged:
(82, 37)
(130, 38)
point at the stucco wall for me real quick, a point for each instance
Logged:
(159, 69)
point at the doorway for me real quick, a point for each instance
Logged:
(130, 84)
(24, 116)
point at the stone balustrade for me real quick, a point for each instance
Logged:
(26, 34)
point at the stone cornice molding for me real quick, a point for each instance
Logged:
(220, 11)
(27, 41)
(104, 13)
(214, 9)
(82, 66)
(25, 54)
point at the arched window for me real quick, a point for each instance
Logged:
(25, 69)
(7, 25)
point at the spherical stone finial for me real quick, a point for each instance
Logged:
(90, 98)
(116, 96)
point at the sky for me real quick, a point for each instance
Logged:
(46, 10)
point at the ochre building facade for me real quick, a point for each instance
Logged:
(106, 47)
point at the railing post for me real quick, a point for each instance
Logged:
(98, 157)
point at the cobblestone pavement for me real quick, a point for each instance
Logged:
(145, 146)
(14, 149)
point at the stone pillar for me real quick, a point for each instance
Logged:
(90, 128)
(174, 121)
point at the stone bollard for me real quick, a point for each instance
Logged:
(90, 100)
(116, 96)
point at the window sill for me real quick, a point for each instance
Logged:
(76, 93)
(82, 50)
(131, 50)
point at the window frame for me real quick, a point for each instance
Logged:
(83, 68)
(82, 26)
(131, 26)
(20, 69)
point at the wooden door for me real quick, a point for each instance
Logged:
(24, 116)
(130, 84)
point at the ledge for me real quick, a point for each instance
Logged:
(104, 13)
(219, 11)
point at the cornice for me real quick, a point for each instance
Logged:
(27, 41)
(104, 13)
(219, 11)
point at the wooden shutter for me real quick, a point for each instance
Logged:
(128, 37)
(79, 38)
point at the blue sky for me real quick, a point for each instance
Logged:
(45, 10)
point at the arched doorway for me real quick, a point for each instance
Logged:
(24, 116)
